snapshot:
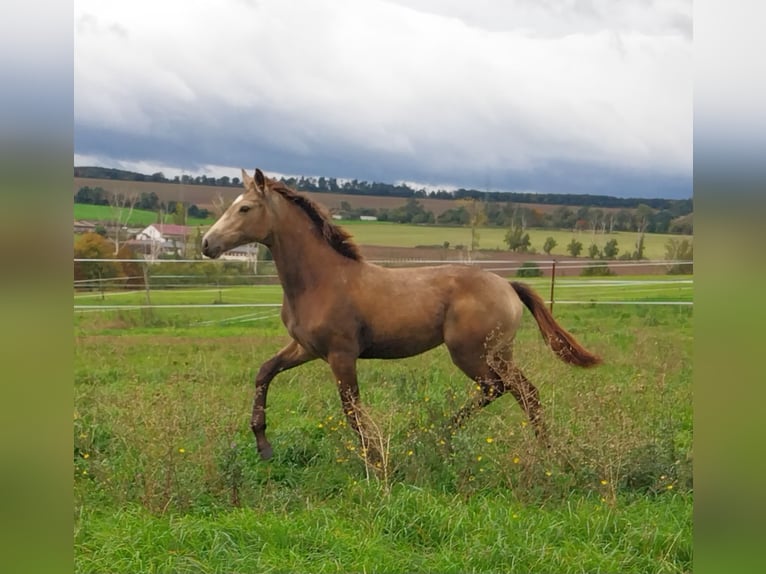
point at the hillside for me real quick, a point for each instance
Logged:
(378, 189)
(204, 195)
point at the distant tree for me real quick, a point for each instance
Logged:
(179, 213)
(195, 211)
(623, 220)
(563, 218)
(611, 249)
(92, 196)
(131, 270)
(122, 208)
(641, 217)
(549, 244)
(660, 221)
(149, 201)
(455, 216)
(517, 240)
(477, 220)
(639, 253)
(94, 246)
(683, 225)
(574, 248)
(593, 251)
(678, 250)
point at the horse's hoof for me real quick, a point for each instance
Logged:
(266, 452)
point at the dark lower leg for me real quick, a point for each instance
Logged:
(344, 368)
(290, 356)
(490, 390)
(528, 397)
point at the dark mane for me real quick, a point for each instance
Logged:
(337, 237)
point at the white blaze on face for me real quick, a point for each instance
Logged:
(221, 223)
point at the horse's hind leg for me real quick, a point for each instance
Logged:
(528, 397)
(290, 356)
(495, 376)
(491, 384)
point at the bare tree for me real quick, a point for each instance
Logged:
(219, 204)
(122, 208)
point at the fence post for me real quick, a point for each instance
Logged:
(553, 282)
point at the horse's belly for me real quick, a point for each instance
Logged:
(400, 347)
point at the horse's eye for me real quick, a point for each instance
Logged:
(244, 209)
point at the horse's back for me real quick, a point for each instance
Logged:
(406, 311)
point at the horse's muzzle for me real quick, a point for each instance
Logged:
(209, 250)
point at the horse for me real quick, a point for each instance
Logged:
(338, 307)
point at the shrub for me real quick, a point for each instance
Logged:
(529, 269)
(597, 270)
(574, 248)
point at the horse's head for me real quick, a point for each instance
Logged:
(246, 220)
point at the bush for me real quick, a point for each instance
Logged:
(575, 247)
(529, 269)
(597, 270)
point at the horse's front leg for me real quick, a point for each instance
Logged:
(290, 356)
(343, 367)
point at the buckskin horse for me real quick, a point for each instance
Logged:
(339, 308)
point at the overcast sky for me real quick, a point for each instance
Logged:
(581, 96)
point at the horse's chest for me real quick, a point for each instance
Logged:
(311, 330)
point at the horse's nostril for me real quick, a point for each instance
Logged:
(204, 244)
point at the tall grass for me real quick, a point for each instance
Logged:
(167, 478)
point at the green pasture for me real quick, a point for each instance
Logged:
(167, 479)
(137, 218)
(405, 235)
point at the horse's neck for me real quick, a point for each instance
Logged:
(303, 260)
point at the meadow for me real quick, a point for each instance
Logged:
(405, 235)
(139, 217)
(167, 478)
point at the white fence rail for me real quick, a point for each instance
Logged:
(103, 293)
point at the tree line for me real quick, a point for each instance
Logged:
(677, 207)
(149, 201)
(643, 219)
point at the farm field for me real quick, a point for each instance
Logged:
(404, 235)
(167, 478)
(138, 217)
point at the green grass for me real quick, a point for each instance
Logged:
(167, 478)
(138, 217)
(403, 235)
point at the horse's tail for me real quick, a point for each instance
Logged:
(558, 339)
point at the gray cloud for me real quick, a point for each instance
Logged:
(520, 94)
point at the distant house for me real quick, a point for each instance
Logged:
(165, 232)
(162, 239)
(247, 252)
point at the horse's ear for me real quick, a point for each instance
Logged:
(247, 181)
(260, 180)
